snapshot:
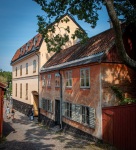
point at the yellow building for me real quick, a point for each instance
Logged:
(26, 64)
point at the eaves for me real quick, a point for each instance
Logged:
(77, 62)
(25, 56)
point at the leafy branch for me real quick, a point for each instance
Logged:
(119, 94)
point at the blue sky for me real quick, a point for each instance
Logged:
(18, 24)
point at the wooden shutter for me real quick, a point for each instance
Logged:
(91, 117)
(78, 113)
(74, 112)
(63, 108)
(51, 106)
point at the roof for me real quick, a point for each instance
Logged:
(3, 86)
(28, 47)
(94, 49)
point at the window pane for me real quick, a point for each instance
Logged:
(87, 82)
(87, 73)
(82, 74)
(82, 82)
(87, 115)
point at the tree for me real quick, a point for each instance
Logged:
(87, 10)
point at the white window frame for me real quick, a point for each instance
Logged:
(26, 91)
(47, 105)
(43, 81)
(84, 78)
(20, 90)
(85, 115)
(20, 70)
(69, 78)
(57, 80)
(26, 68)
(68, 110)
(49, 80)
(34, 66)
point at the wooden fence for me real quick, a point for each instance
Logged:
(119, 126)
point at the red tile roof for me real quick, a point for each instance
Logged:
(27, 48)
(95, 45)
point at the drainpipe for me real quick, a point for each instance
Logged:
(61, 101)
(38, 88)
(100, 79)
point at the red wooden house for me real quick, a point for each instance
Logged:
(76, 83)
(2, 89)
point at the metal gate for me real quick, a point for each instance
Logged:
(119, 126)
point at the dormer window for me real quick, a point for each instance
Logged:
(27, 47)
(21, 51)
(35, 40)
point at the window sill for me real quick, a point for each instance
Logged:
(84, 88)
(68, 87)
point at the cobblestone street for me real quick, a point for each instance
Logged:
(23, 134)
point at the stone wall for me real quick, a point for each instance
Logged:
(78, 133)
(46, 121)
(21, 107)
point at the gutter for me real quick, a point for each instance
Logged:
(93, 58)
(61, 100)
(38, 89)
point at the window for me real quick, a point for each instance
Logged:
(68, 78)
(21, 50)
(49, 80)
(16, 90)
(21, 70)
(79, 113)
(16, 71)
(35, 41)
(57, 80)
(47, 105)
(27, 47)
(85, 78)
(85, 115)
(21, 90)
(26, 91)
(43, 81)
(26, 68)
(68, 110)
(34, 66)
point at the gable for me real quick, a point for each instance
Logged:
(35, 42)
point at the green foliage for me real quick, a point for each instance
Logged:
(120, 96)
(126, 9)
(84, 10)
(5, 76)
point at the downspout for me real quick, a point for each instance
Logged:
(38, 89)
(100, 79)
(61, 101)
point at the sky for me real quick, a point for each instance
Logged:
(18, 24)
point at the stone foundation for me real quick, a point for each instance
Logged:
(21, 107)
(46, 121)
(78, 133)
(68, 129)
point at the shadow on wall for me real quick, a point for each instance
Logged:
(120, 76)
